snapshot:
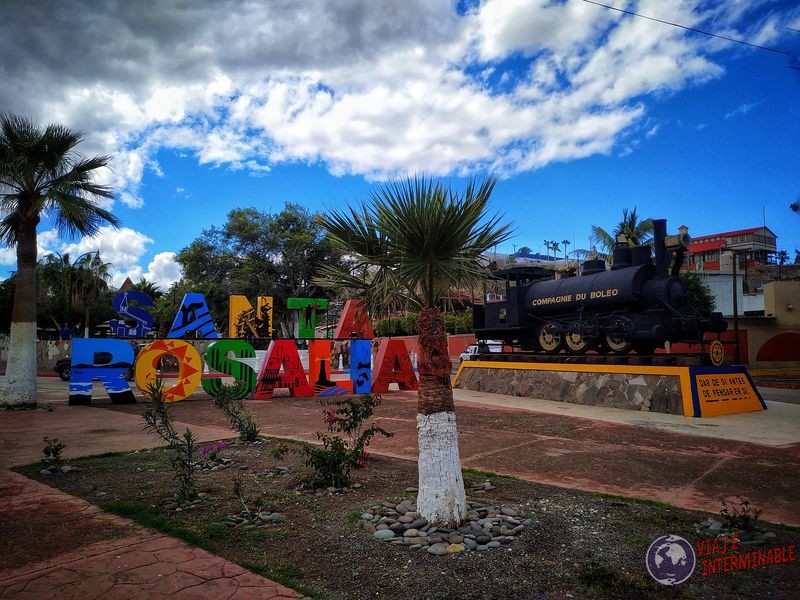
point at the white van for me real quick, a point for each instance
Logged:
(481, 347)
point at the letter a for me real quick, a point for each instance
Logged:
(193, 317)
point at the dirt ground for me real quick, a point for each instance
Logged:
(580, 545)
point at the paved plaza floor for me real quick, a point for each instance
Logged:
(691, 463)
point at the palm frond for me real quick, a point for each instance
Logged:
(415, 241)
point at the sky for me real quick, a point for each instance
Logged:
(579, 110)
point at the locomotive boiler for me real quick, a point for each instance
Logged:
(638, 304)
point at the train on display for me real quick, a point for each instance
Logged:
(638, 304)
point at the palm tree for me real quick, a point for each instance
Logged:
(554, 245)
(418, 239)
(783, 256)
(565, 243)
(148, 287)
(89, 281)
(40, 173)
(637, 232)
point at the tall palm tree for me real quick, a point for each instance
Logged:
(637, 232)
(89, 279)
(418, 240)
(782, 257)
(40, 173)
(148, 287)
(565, 243)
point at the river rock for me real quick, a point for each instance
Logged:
(384, 534)
(439, 549)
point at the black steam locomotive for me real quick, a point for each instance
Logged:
(639, 304)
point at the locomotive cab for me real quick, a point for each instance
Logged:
(502, 314)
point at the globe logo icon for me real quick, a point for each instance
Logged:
(670, 560)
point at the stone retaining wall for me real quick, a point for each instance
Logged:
(653, 393)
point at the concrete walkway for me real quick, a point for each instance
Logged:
(84, 552)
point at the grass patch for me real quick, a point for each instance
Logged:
(284, 573)
(476, 474)
(634, 500)
(149, 517)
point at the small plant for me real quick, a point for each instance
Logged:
(52, 451)
(739, 515)
(229, 401)
(156, 415)
(280, 450)
(183, 463)
(238, 491)
(331, 464)
(158, 422)
(211, 451)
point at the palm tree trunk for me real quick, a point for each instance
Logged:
(441, 498)
(20, 389)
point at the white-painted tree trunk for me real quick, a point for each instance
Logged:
(20, 385)
(441, 498)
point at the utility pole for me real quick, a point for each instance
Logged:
(735, 309)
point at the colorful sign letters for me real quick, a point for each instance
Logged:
(244, 321)
(193, 318)
(135, 322)
(111, 361)
(107, 360)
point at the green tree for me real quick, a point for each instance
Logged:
(72, 292)
(565, 243)
(783, 257)
(525, 250)
(148, 287)
(256, 253)
(41, 172)
(637, 232)
(699, 298)
(416, 241)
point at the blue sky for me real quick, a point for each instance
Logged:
(581, 111)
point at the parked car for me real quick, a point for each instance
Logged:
(480, 347)
(63, 365)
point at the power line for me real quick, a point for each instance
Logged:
(722, 37)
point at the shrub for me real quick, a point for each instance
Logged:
(739, 515)
(52, 451)
(158, 422)
(211, 451)
(229, 401)
(331, 464)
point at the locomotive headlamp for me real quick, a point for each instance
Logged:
(674, 242)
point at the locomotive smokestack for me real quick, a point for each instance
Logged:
(659, 236)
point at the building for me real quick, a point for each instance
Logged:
(713, 252)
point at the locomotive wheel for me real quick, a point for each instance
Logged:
(549, 337)
(617, 338)
(576, 343)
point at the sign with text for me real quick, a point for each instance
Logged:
(723, 391)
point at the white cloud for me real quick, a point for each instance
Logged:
(121, 247)
(362, 87)
(8, 256)
(164, 270)
(742, 109)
